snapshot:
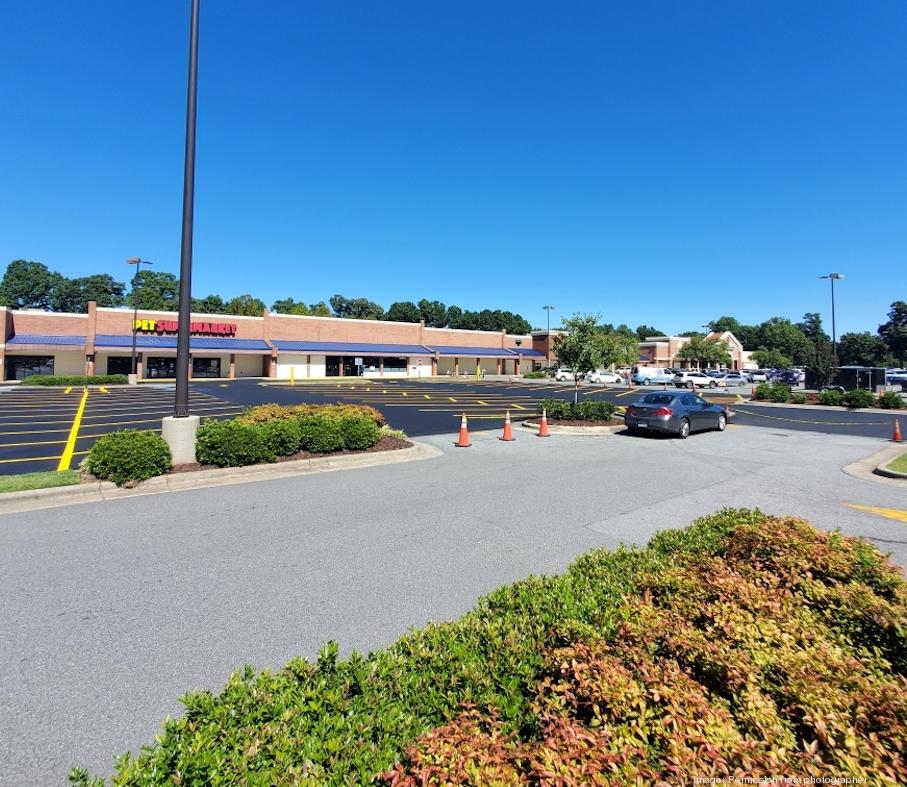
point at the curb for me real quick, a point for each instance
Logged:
(872, 468)
(583, 430)
(100, 491)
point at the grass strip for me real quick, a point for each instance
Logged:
(899, 465)
(42, 480)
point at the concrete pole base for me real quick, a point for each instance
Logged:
(133, 379)
(180, 436)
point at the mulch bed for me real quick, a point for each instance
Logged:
(565, 422)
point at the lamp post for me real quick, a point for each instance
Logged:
(179, 430)
(834, 338)
(138, 262)
(548, 309)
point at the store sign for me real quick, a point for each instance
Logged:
(196, 328)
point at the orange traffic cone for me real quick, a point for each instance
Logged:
(896, 437)
(463, 442)
(543, 426)
(508, 430)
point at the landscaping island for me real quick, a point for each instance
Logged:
(744, 646)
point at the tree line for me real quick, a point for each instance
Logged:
(32, 285)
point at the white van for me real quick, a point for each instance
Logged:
(646, 375)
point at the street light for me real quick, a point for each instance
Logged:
(834, 338)
(138, 262)
(548, 309)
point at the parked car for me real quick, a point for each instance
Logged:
(716, 373)
(644, 375)
(675, 413)
(788, 377)
(563, 374)
(604, 376)
(734, 378)
(756, 375)
(690, 377)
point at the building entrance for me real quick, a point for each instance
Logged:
(160, 367)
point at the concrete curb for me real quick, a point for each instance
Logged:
(583, 430)
(872, 468)
(99, 491)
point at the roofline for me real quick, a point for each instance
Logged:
(119, 310)
(45, 312)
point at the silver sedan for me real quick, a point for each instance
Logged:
(675, 413)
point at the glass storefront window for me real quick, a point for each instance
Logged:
(160, 367)
(395, 365)
(206, 367)
(18, 367)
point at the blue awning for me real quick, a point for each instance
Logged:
(351, 348)
(195, 343)
(527, 353)
(472, 352)
(46, 339)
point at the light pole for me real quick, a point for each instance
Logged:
(548, 309)
(180, 428)
(138, 262)
(834, 338)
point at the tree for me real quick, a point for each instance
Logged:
(210, 304)
(779, 333)
(811, 327)
(28, 285)
(434, 313)
(770, 359)
(291, 306)
(320, 309)
(155, 290)
(454, 315)
(403, 311)
(580, 348)
(643, 332)
(618, 349)
(748, 335)
(356, 308)
(723, 324)
(245, 306)
(894, 332)
(823, 364)
(861, 349)
(73, 295)
(705, 350)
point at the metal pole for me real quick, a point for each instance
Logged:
(834, 336)
(181, 404)
(138, 262)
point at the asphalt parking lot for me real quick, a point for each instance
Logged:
(53, 428)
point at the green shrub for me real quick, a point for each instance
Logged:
(594, 410)
(397, 434)
(763, 392)
(798, 398)
(536, 375)
(832, 397)
(270, 412)
(129, 456)
(231, 444)
(556, 409)
(282, 437)
(860, 397)
(891, 400)
(359, 432)
(320, 434)
(76, 379)
(779, 392)
(608, 673)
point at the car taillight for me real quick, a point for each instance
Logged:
(663, 411)
(631, 410)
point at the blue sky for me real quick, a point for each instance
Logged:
(655, 162)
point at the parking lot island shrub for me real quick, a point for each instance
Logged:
(269, 412)
(538, 374)
(859, 397)
(891, 400)
(798, 398)
(359, 432)
(321, 434)
(763, 392)
(588, 410)
(282, 437)
(75, 379)
(232, 444)
(779, 392)
(129, 456)
(831, 397)
(742, 644)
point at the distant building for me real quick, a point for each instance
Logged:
(663, 350)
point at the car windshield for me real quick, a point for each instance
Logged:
(657, 398)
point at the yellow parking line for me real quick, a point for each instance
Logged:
(890, 513)
(451, 399)
(68, 389)
(404, 393)
(103, 389)
(481, 402)
(426, 396)
(66, 459)
(38, 458)
(627, 393)
(516, 406)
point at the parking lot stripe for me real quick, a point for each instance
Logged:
(889, 513)
(68, 389)
(66, 459)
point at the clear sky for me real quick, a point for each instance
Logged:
(655, 162)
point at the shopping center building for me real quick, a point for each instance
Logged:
(273, 345)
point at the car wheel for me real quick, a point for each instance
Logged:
(713, 384)
(684, 432)
(722, 422)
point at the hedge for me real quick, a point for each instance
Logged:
(588, 410)
(76, 379)
(742, 644)
(269, 412)
(129, 456)
(232, 444)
